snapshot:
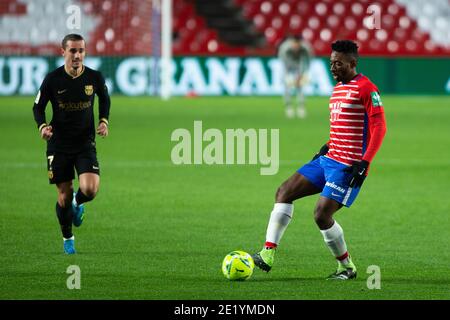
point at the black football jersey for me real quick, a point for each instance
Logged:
(72, 100)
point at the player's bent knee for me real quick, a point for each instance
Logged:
(89, 189)
(90, 192)
(278, 194)
(282, 195)
(89, 184)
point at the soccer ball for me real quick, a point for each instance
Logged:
(238, 265)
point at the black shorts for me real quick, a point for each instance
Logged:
(61, 166)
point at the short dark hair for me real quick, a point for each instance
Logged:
(346, 46)
(71, 37)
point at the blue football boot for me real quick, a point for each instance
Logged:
(69, 246)
(78, 212)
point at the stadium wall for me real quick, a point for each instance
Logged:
(213, 76)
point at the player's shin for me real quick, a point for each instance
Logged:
(65, 220)
(279, 220)
(334, 239)
(81, 198)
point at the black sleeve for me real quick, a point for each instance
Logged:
(104, 102)
(40, 103)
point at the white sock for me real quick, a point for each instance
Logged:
(74, 201)
(334, 238)
(71, 238)
(279, 220)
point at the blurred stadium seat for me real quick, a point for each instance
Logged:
(407, 27)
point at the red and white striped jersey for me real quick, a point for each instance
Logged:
(351, 106)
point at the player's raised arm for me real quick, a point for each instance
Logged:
(39, 106)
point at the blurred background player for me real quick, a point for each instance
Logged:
(295, 54)
(357, 129)
(71, 133)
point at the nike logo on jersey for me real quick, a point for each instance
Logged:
(336, 195)
(94, 167)
(62, 91)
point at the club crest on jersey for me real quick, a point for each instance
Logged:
(335, 110)
(89, 90)
(349, 94)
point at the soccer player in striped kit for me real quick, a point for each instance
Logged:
(337, 171)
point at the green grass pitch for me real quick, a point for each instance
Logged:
(160, 231)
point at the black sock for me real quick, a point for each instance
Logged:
(65, 220)
(80, 197)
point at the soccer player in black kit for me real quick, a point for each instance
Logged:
(70, 134)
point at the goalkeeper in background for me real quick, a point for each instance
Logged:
(295, 54)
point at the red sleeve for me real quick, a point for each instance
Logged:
(370, 98)
(377, 129)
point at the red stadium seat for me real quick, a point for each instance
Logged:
(250, 9)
